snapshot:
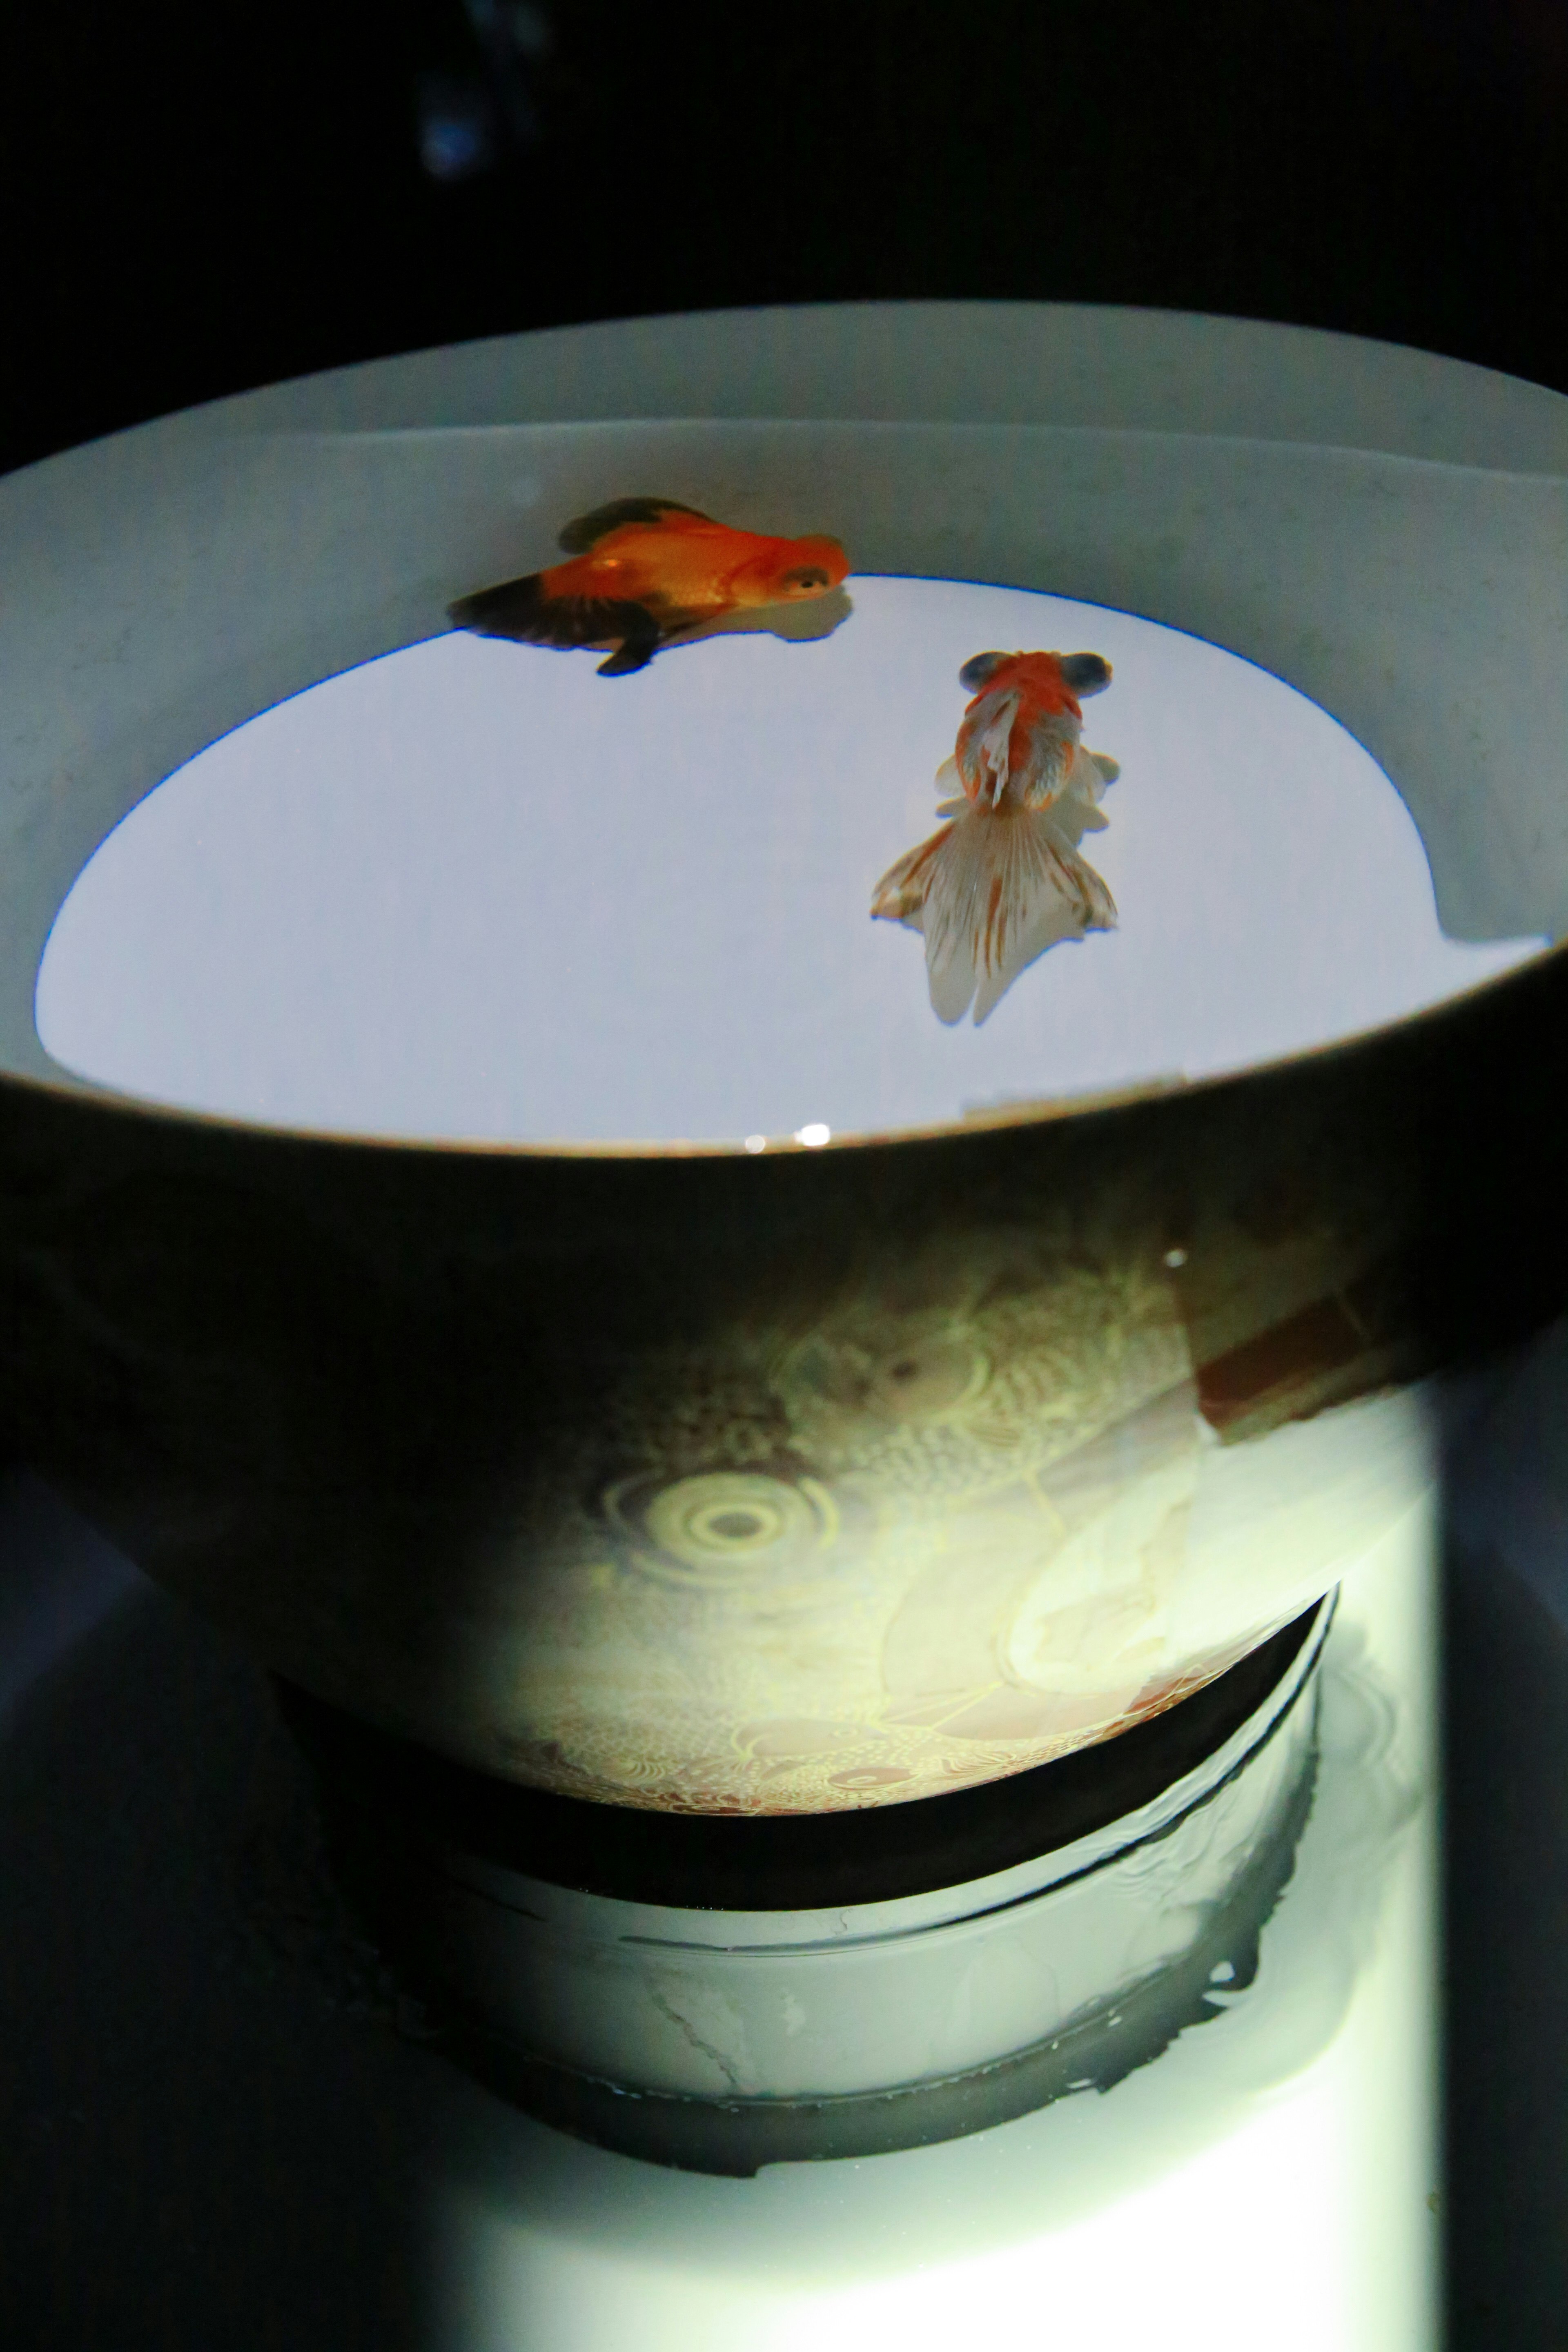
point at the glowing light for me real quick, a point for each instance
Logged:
(756, 1142)
(815, 1135)
(1175, 1257)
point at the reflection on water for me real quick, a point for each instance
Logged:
(548, 2239)
(1265, 2024)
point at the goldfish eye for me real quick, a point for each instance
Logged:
(1086, 674)
(809, 578)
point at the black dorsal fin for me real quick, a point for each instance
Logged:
(578, 537)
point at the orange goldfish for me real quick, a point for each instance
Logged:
(644, 570)
(1003, 879)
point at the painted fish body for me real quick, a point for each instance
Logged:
(1003, 880)
(643, 571)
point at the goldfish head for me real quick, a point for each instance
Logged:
(1048, 675)
(806, 567)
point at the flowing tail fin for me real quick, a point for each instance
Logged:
(993, 890)
(524, 612)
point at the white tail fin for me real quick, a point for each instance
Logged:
(992, 891)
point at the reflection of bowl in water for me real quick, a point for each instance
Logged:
(832, 1985)
(814, 1478)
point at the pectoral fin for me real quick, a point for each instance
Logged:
(634, 653)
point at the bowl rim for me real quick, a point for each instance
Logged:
(248, 415)
(87, 1097)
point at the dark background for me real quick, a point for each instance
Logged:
(197, 199)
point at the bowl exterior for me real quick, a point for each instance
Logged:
(784, 1483)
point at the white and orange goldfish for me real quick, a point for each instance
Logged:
(1002, 881)
(644, 572)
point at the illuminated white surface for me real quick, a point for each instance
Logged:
(856, 1999)
(1270, 2179)
(474, 890)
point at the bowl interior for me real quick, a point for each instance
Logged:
(177, 593)
(473, 890)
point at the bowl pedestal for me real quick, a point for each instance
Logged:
(719, 1993)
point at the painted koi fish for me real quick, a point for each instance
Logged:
(1003, 879)
(644, 570)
